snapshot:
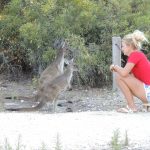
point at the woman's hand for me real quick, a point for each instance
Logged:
(112, 67)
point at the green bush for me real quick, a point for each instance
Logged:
(28, 29)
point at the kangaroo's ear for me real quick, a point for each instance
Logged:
(66, 61)
(59, 44)
(71, 61)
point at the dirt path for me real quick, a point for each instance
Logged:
(90, 126)
(100, 99)
(74, 131)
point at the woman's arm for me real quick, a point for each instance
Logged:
(122, 71)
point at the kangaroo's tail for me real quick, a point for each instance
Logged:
(23, 105)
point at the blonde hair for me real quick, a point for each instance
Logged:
(135, 39)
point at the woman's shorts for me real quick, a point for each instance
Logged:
(147, 91)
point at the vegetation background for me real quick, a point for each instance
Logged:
(28, 29)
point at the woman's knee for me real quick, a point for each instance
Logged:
(118, 78)
(122, 78)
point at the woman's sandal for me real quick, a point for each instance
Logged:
(126, 110)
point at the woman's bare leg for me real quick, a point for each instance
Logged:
(130, 86)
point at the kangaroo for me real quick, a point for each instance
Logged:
(49, 91)
(54, 69)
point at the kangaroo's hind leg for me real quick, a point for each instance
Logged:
(54, 106)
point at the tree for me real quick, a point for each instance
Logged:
(30, 27)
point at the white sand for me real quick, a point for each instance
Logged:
(76, 131)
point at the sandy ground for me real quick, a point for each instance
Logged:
(90, 125)
(74, 131)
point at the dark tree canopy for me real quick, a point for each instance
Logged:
(28, 29)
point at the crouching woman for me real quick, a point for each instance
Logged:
(134, 78)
